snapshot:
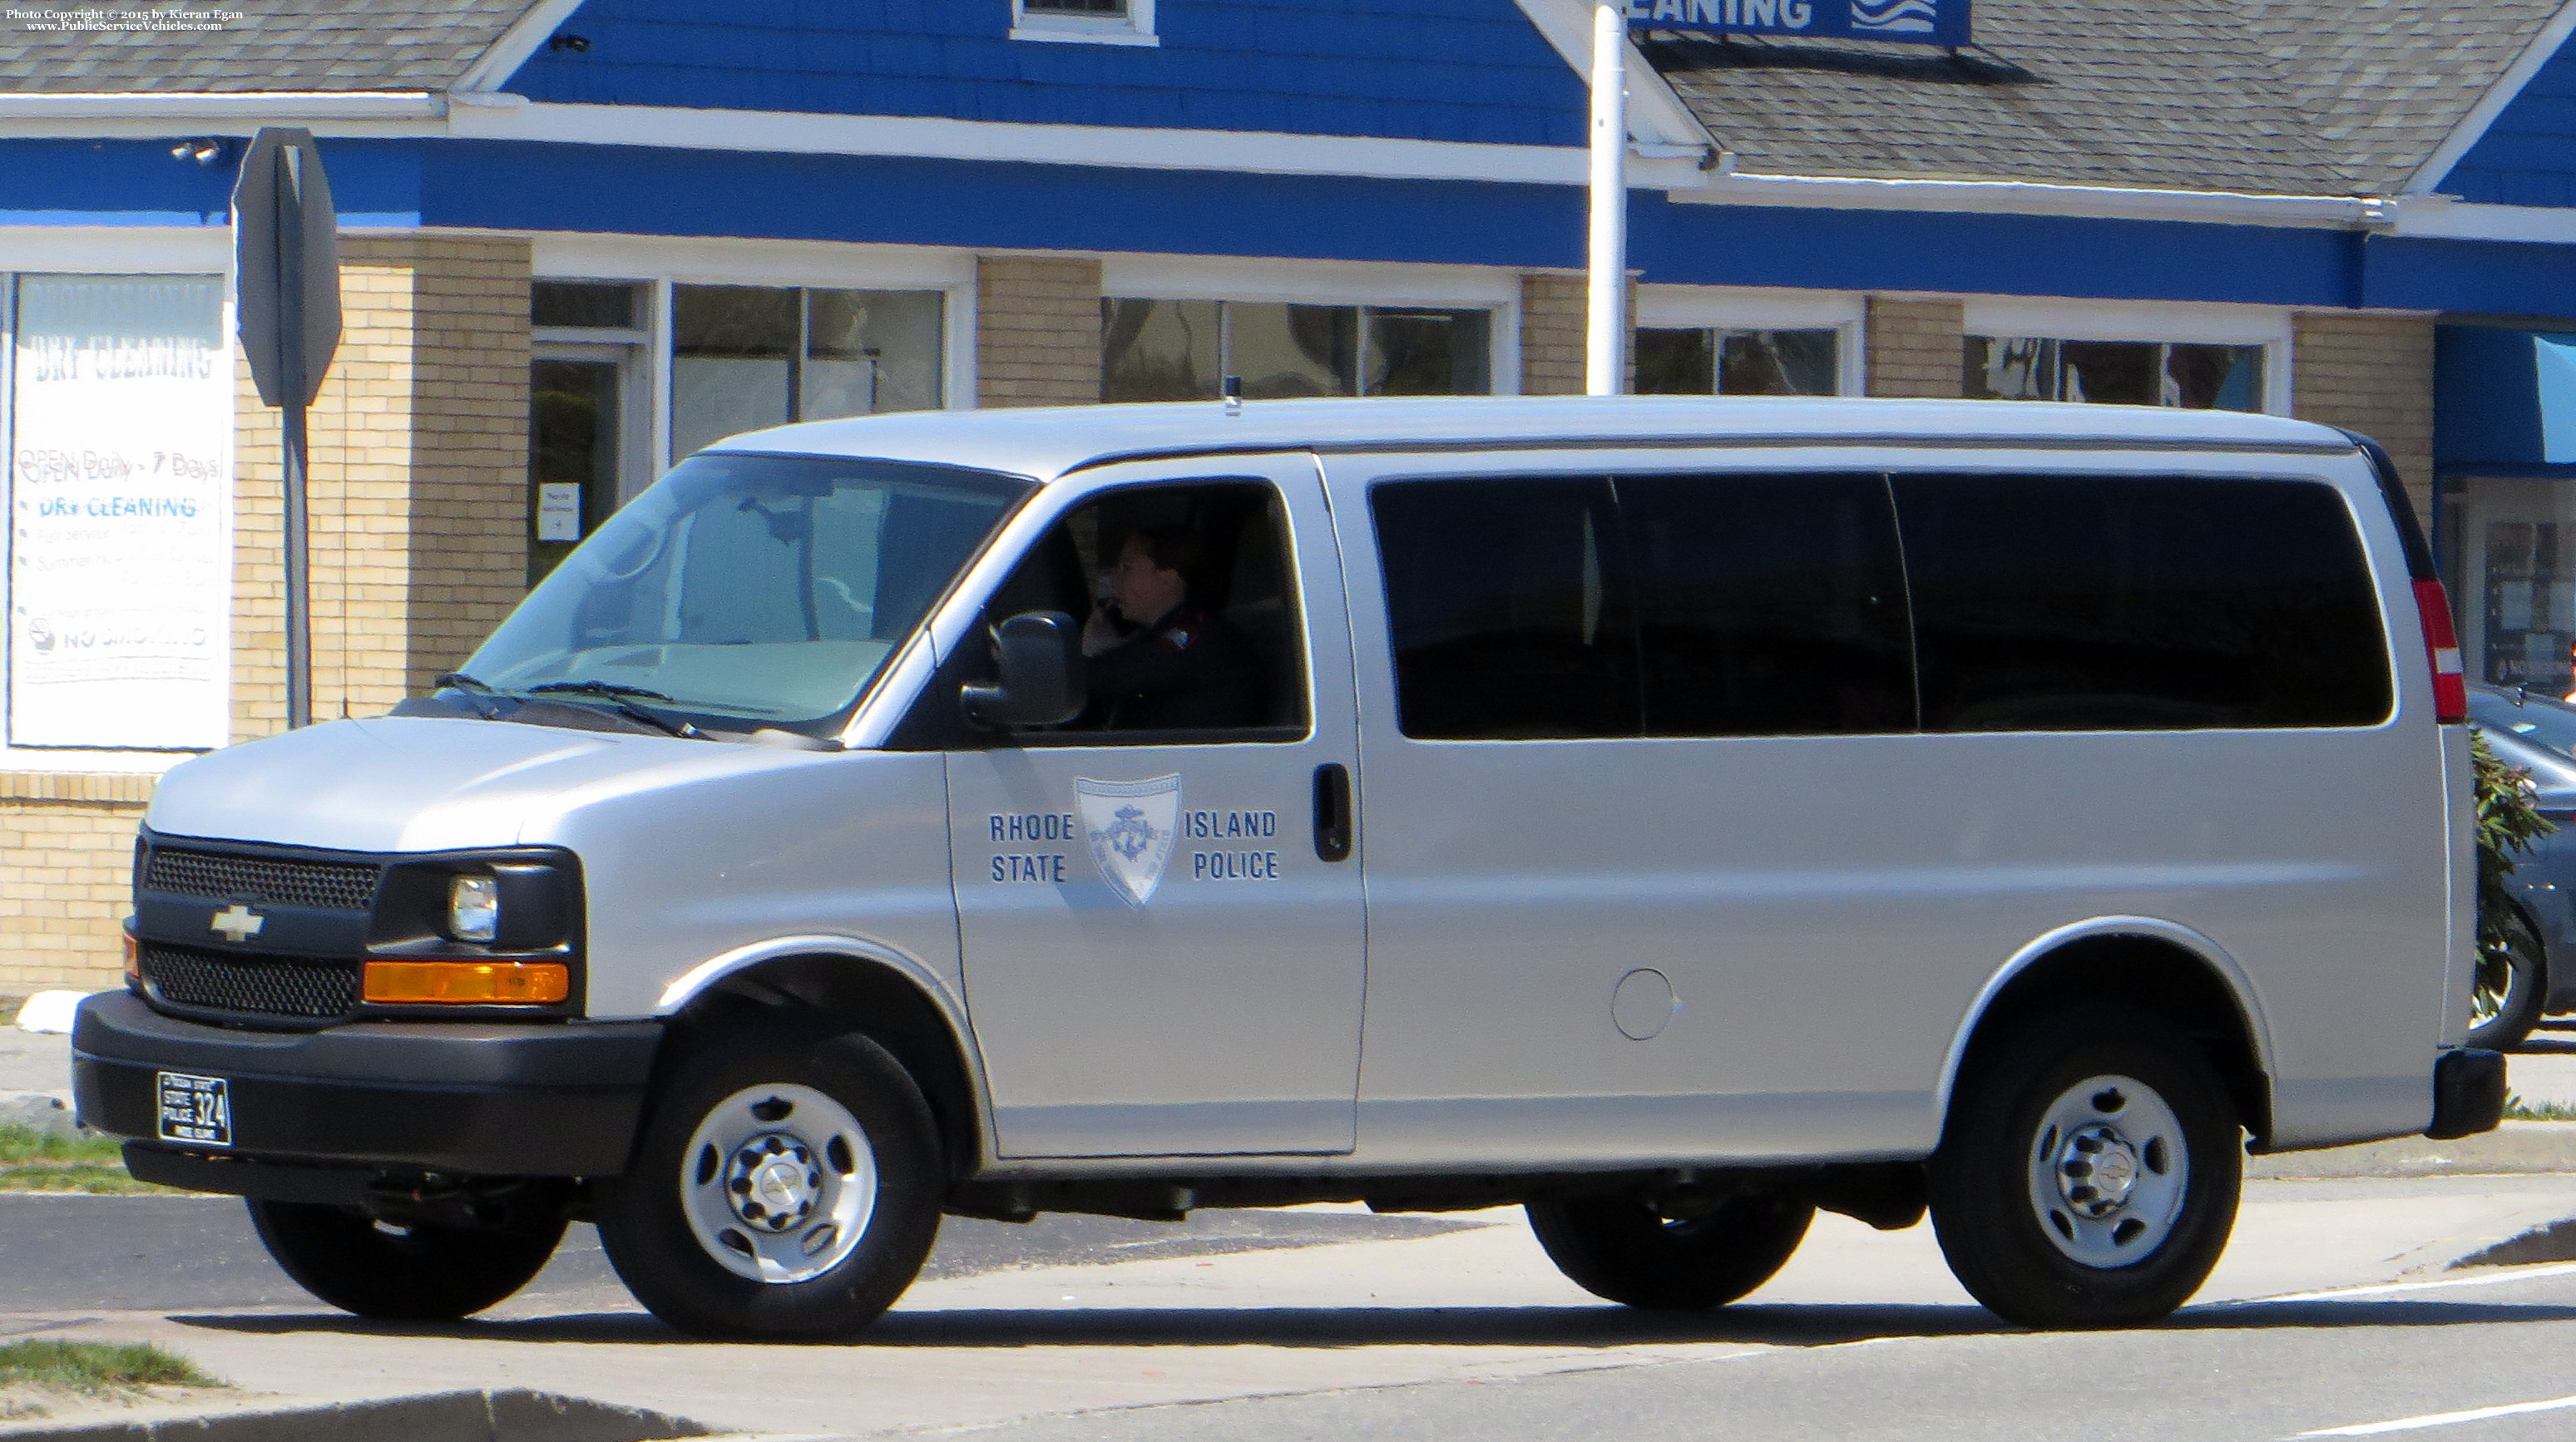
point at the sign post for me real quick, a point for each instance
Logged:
(1919, 22)
(1605, 341)
(286, 267)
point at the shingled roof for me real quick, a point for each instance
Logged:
(274, 45)
(2280, 97)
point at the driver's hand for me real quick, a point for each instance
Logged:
(1102, 631)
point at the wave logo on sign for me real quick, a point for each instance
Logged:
(1911, 17)
(1131, 826)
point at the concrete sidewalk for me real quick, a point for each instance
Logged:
(1477, 1304)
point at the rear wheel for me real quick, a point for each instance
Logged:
(1636, 1253)
(2089, 1170)
(787, 1186)
(416, 1273)
(2512, 983)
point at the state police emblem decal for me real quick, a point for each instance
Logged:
(1131, 826)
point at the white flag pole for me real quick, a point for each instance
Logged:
(1605, 350)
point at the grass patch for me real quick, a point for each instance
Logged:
(97, 1366)
(2518, 1110)
(39, 1161)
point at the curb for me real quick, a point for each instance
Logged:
(2513, 1148)
(506, 1415)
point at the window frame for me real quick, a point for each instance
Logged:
(1709, 308)
(1135, 27)
(1363, 312)
(2149, 322)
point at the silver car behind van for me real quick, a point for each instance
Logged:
(1674, 816)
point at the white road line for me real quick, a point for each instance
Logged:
(2387, 1289)
(2444, 1419)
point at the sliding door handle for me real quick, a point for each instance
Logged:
(1333, 812)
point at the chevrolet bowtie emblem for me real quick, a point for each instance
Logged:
(238, 924)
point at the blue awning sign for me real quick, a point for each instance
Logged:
(1921, 22)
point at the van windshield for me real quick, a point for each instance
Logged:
(764, 590)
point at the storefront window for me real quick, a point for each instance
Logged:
(2518, 603)
(746, 357)
(1178, 350)
(2128, 373)
(1704, 362)
(120, 483)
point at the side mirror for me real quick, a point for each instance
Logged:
(1041, 680)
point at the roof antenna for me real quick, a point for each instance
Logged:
(1234, 395)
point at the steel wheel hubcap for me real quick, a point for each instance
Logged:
(778, 1183)
(2109, 1171)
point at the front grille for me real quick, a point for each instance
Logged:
(264, 985)
(332, 885)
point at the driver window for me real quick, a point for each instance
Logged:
(1187, 601)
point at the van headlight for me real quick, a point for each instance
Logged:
(474, 908)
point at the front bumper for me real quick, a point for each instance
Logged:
(2468, 1094)
(476, 1098)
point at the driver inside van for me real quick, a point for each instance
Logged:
(1159, 660)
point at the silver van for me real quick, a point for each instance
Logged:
(1674, 816)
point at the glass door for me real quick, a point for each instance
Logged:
(576, 451)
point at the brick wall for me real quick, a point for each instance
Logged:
(1037, 331)
(1915, 347)
(2373, 374)
(1555, 328)
(1552, 332)
(67, 852)
(417, 485)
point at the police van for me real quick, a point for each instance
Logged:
(1672, 816)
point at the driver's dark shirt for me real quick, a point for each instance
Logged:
(1189, 671)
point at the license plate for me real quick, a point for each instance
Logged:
(197, 1110)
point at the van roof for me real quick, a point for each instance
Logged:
(1045, 443)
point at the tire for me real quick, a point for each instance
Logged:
(420, 1273)
(2019, 1200)
(1625, 1250)
(787, 1186)
(2512, 983)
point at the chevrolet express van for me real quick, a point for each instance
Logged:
(1673, 816)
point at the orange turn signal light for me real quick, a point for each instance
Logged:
(133, 959)
(469, 983)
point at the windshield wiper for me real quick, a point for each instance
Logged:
(624, 699)
(459, 681)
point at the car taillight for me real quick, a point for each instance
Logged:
(2442, 647)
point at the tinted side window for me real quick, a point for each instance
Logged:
(1191, 629)
(2084, 603)
(1508, 607)
(1769, 605)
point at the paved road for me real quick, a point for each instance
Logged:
(2266, 1370)
(61, 1253)
(1311, 1323)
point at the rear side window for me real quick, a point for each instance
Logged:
(1768, 605)
(2083, 603)
(1508, 606)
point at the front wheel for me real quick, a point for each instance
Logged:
(1633, 1252)
(416, 1273)
(786, 1186)
(2088, 1174)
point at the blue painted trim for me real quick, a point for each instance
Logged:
(1001, 205)
(138, 182)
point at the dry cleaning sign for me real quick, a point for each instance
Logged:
(1921, 22)
(120, 562)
